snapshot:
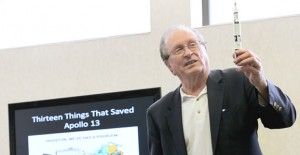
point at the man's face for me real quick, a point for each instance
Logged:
(188, 56)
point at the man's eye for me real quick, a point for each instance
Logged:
(192, 44)
(178, 50)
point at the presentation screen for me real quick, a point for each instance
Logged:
(100, 124)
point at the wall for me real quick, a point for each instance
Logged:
(133, 62)
(275, 41)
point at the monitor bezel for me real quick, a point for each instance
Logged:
(13, 107)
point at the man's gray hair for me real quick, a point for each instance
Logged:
(162, 46)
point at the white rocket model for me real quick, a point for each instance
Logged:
(237, 29)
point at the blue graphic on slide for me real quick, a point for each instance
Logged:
(106, 149)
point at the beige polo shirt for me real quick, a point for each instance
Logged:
(196, 124)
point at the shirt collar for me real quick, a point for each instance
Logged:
(185, 97)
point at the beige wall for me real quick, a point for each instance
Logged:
(133, 62)
(276, 42)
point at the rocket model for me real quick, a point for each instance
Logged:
(237, 29)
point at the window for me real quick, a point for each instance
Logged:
(34, 22)
(221, 11)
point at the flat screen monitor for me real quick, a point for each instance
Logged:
(99, 124)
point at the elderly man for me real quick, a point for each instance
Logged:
(213, 112)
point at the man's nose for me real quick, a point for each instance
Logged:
(187, 51)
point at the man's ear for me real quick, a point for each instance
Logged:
(169, 66)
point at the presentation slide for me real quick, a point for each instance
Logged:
(113, 124)
(117, 141)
